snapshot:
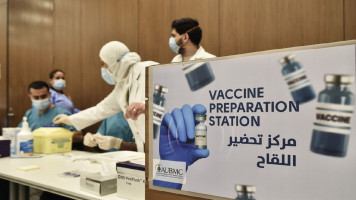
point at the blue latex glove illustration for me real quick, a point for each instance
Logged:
(177, 135)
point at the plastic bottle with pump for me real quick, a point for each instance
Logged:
(25, 140)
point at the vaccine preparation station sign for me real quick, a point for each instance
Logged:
(274, 126)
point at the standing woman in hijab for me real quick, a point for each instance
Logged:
(58, 97)
(128, 72)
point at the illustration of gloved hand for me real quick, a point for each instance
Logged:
(107, 142)
(62, 119)
(177, 135)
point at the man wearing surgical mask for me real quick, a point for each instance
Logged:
(185, 40)
(43, 111)
(186, 36)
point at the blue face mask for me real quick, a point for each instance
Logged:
(41, 104)
(173, 45)
(107, 77)
(59, 84)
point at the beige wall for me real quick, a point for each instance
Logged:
(68, 34)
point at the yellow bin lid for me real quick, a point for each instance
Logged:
(52, 132)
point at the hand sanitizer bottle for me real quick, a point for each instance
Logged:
(25, 140)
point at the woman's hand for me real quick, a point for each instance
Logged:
(134, 110)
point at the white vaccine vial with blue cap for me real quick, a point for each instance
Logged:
(201, 129)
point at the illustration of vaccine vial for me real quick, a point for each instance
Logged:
(201, 129)
(245, 192)
(296, 78)
(159, 101)
(334, 110)
(198, 75)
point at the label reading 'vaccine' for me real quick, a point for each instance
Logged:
(200, 138)
(334, 118)
(297, 80)
(157, 114)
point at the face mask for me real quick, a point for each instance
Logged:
(41, 104)
(59, 84)
(107, 76)
(173, 45)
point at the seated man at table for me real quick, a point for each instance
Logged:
(43, 111)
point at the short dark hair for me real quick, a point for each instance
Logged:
(38, 85)
(53, 72)
(186, 24)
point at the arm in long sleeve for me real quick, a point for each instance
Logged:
(106, 108)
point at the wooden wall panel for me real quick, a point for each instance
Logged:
(3, 64)
(154, 25)
(103, 21)
(67, 46)
(350, 19)
(256, 25)
(30, 50)
(207, 13)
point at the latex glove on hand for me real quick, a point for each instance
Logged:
(176, 141)
(134, 110)
(177, 135)
(107, 142)
(89, 140)
(62, 119)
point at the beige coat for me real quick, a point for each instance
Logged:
(116, 102)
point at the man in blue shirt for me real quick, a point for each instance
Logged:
(112, 130)
(43, 111)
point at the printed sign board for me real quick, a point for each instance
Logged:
(277, 125)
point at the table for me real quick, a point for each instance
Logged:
(49, 177)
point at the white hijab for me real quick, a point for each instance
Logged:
(119, 60)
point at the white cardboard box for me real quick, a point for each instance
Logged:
(96, 184)
(131, 180)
